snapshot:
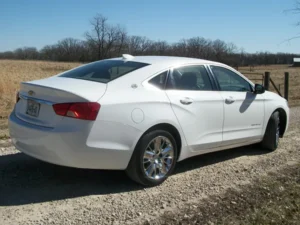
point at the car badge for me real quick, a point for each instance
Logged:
(31, 93)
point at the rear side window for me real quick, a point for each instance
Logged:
(104, 71)
(159, 80)
(190, 78)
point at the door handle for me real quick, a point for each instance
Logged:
(186, 101)
(229, 100)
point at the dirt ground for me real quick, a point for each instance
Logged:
(209, 189)
(271, 199)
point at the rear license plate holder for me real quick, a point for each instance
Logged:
(33, 108)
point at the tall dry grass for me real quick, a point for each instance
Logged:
(12, 72)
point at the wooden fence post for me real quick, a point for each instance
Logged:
(286, 85)
(267, 80)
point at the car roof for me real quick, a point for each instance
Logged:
(166, 60)
(159, 64)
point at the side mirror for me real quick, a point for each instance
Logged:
(259, 89)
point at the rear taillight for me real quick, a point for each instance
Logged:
(78, 110)
(17, 97)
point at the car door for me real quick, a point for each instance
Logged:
(197, 106)
(243, 109)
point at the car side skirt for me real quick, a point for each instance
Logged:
(204, 148)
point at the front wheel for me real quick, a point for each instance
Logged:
(153, 159)
(272, 134)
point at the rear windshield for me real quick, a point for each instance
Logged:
(103, 71)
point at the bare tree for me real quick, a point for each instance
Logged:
(105, 40)
(30, 53)
(7, 55)
(220, 49)
(199, 47)
(159, 48)
(19, 54)
(48, 52)
(180, 48)
(104, 37)
(121, 43)
(70, 49)
(138, 45)
(295, 10)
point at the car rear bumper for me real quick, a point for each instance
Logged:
(70, 145)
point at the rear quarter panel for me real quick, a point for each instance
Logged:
(126, 113)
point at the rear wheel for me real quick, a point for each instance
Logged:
(272, 134)
(154, 158)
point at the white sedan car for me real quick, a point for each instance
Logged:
(143, 114)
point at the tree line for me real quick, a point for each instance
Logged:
(105, 40)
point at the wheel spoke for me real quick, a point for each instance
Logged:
(167, 151)
(157, 143)
(148, 155)
(150, 170)
(163, 169)
(146, 161)
(154, 171)
(149, 148)
(168, 161)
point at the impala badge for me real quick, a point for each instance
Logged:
(31, 93)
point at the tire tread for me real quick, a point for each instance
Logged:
(269, 140)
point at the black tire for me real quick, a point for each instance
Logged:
(271, 137)
(135, 169)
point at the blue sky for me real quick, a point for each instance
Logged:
(254, 25)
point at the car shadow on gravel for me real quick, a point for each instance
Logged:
(216, 157)
(25, 180)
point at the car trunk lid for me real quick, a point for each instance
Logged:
(37, 98)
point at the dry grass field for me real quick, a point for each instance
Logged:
(277, 75)
(12, 72)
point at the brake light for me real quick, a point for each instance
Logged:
(17, 97)
(78, 110)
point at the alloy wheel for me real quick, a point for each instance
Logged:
(158, 158)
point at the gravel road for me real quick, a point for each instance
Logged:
(34, 192)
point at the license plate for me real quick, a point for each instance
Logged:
(33, 108)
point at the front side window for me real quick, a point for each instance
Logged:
(159, 80)
(230, 81)
(104, 71)
(190, 78)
